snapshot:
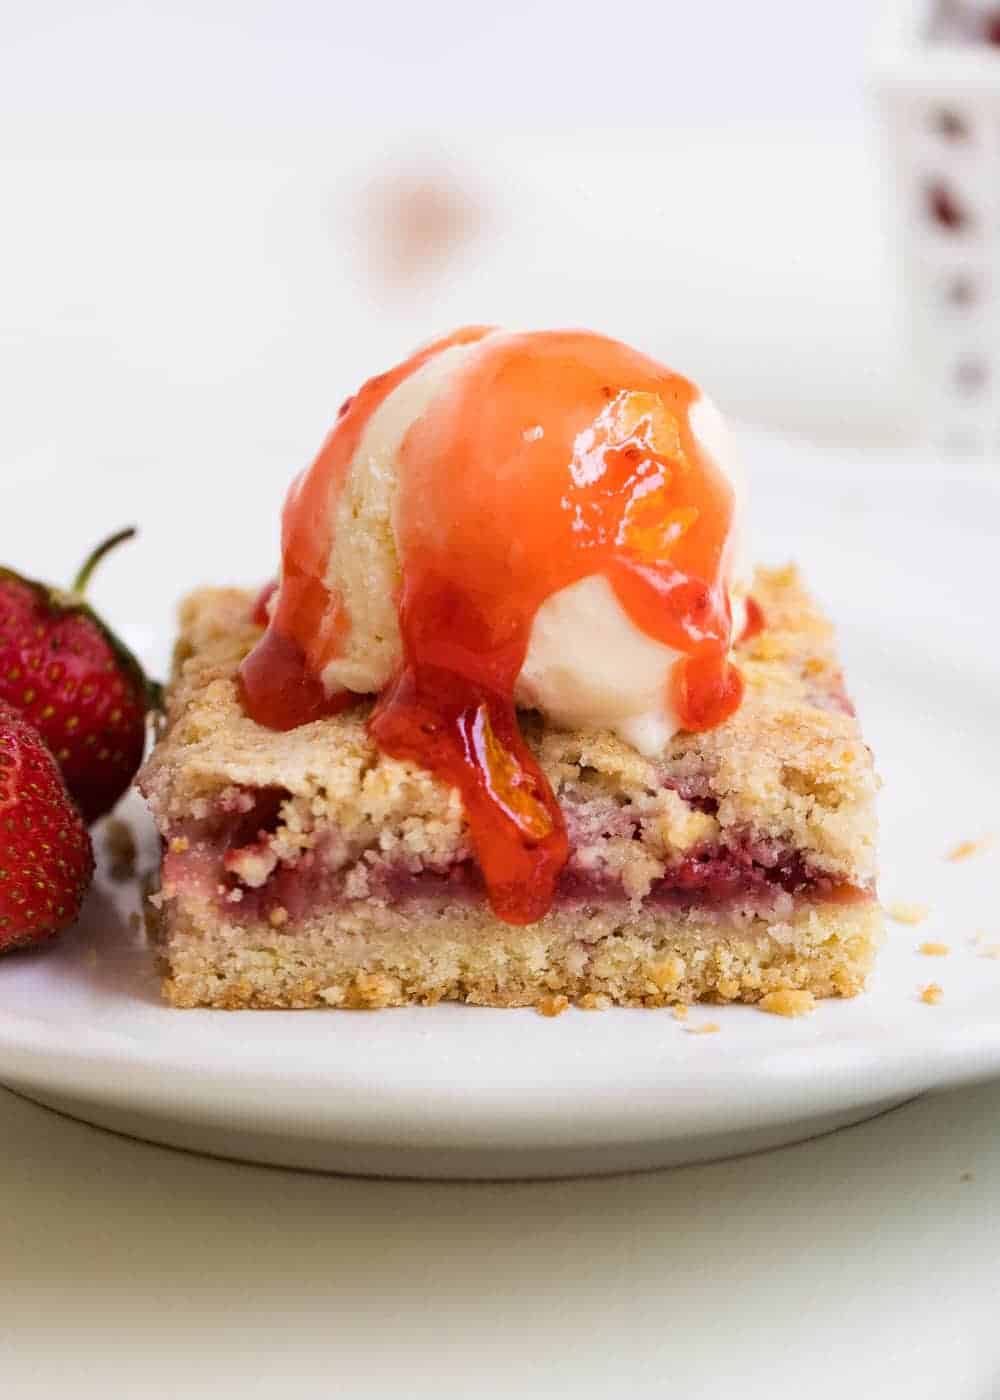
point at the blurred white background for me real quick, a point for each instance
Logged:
(217, 218)
(200, 193)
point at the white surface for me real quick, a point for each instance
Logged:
(463, 1092)
(861, 1264)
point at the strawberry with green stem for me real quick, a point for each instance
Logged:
(71, 677)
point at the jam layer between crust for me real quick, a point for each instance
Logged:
(232, 860)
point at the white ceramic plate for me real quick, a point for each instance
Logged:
(906, 559)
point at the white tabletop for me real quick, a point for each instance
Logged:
(866, 1263)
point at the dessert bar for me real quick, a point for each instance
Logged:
(309, 868)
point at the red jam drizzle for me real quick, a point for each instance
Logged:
(280, 679)
(261, 611)
(755, 621)
(550, 457)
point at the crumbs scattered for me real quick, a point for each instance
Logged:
(119, 842)
(679, 1012)
(787, 1001)
(706, 1028)
(902, 913)
(966, 849)
(553, 1006)
(935, 950)
(931, 994)
(594, 1001)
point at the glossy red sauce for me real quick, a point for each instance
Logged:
(755, 621)
(281, 677)
(261, 611)
(550, 457)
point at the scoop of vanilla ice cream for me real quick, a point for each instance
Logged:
(587, 666)
(364, 562)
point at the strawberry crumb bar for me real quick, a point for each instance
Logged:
(308, 868)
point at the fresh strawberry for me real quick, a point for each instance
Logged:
(84, 692)
(46, 860)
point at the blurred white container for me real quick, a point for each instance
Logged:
(935, 68)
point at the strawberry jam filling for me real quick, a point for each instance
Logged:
(231, 858)
(550, 457)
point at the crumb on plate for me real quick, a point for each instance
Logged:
(931, 994)
(119, 842)
(706, 1028)
(553, 1006)
(903, 913)
(965, 849)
